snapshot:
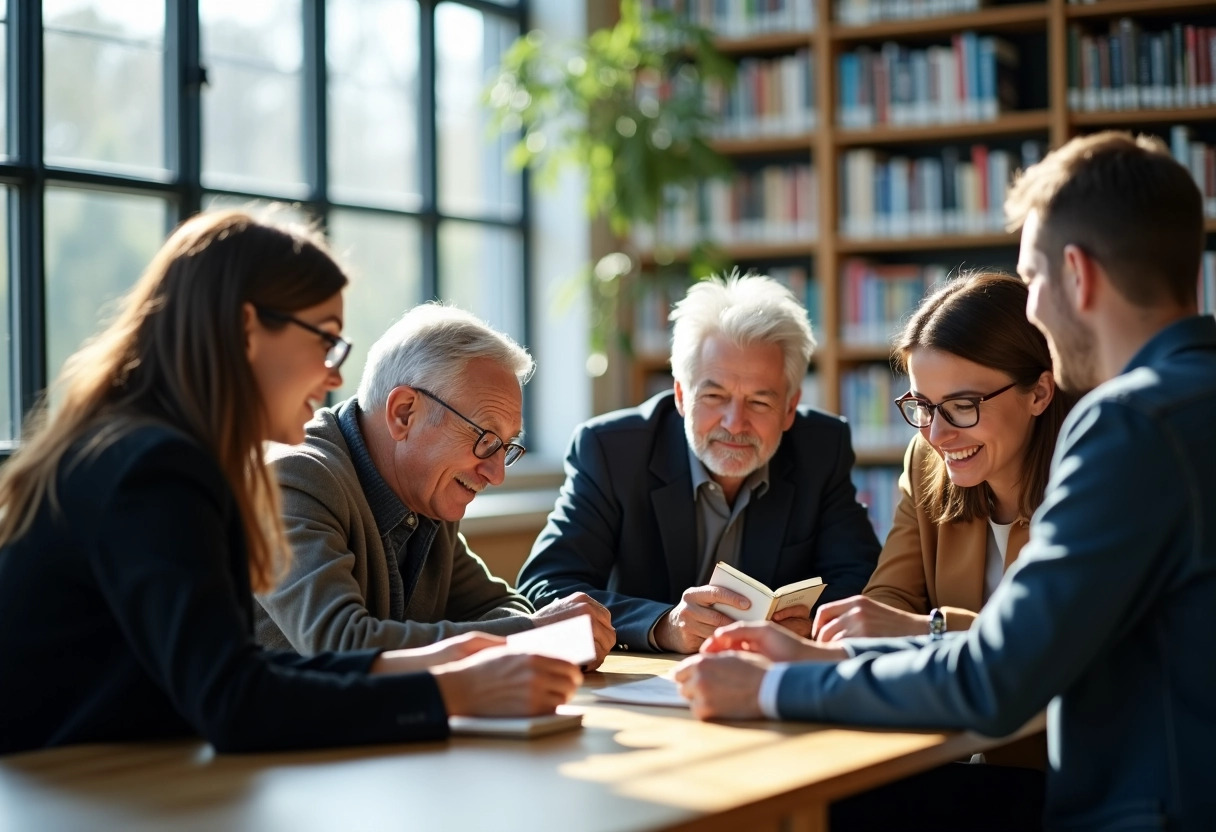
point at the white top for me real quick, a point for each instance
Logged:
(994, 565)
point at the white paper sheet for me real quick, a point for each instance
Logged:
(657, 690)
(570, 640)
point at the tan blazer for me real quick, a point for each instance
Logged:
(925, 565)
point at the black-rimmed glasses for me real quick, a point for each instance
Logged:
(339, 347)
(960, 411)
(487, 440)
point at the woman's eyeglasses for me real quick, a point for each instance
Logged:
(960, 411)
(339, 347)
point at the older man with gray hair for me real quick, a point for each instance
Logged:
(373, 498)
(725, 467)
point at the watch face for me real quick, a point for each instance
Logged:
(937, 623)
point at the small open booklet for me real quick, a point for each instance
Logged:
(517, 727)
(765, 602)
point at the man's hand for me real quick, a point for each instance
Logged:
(861, 616)
(574, 605)
(723, 686)
(771, 641)
(795, 619)
(692, 621)
(499, 683)
(420, 658)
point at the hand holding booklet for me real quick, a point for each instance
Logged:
(570, 640)
(765, 602)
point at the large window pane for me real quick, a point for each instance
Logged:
(288, 212)
(104, 96)
(481, 270)
(97, 245)
(473, 179)
(382, 255)
(253, 133)
(4, 148)
(7, 397)
(372, 53)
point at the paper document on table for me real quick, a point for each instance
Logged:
(570, 640)
(516, 727)
(657, 690)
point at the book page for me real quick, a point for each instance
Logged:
(729, 578)
(806, 596)
(657, 690)
(570, 640)
(517, 727)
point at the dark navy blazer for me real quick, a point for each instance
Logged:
(624, 527)
(128, 615)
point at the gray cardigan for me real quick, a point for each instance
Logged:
(339, 593)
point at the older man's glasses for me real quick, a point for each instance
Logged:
(339, 347)
(488, 442)
(960, 411)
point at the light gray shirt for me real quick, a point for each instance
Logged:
(720, 525)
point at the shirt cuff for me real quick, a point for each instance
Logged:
(769, 686)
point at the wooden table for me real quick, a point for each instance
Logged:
(629, 768)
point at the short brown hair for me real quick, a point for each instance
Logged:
(982, 317)
(1127, 203)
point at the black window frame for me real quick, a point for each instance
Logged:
(24, 171)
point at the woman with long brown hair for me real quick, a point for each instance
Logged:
(137, 517)
(984, 400)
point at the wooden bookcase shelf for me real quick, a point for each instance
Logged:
(1024, 17)
(762, 145)
(763, 44)
(1147, 116)
(1028, 122)
(1137, 8)
(953, 242)
(1040, 30)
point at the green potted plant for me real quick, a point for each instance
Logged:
(627, 106)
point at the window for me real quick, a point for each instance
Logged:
(122, 118)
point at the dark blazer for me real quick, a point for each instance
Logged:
(128, 615)
(624, 526)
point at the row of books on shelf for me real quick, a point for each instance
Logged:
(878, 490)
(1200, 159)
(877, 297)
(942, 192)
(775, 203)
(862, 12)
(655, 298)
(867, 396)
(1129, 68)
(1207, 283)
(970, 80)
(739, 19)
(770, 96)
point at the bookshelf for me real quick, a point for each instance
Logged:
(1029, 99)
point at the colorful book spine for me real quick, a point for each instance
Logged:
(770, 97)
(973, 79)
(1128, 67)
(895, 196)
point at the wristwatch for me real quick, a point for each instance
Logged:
(937, 624)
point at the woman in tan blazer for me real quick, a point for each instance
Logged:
(985, 402)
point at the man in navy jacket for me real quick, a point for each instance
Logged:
(1107, 617)
(724, 467)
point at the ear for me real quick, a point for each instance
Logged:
(679, 389)
(791, 410)
(1043, 392)
(401, 412)
(253, 330)
(1085, 272)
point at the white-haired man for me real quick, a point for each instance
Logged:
(725, 467)
(373, 498)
